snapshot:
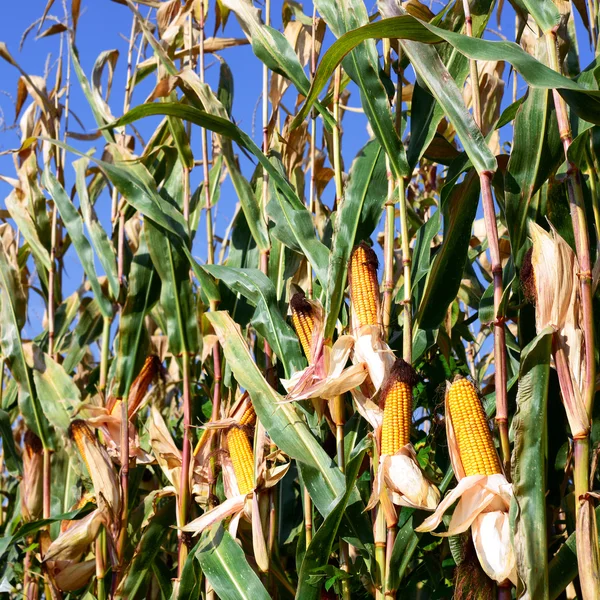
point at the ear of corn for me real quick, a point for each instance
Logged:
(79, 430)
(242, 459)
(475, 445)
(364, 286)
(303, 321)
(249, 416)
(396, 401)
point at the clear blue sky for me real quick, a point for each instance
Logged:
(105, 25)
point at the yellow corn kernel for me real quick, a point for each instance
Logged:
(396, 401)
(303, 321)
(79, 430)
(364, 286)
(249, 417)
(242, 459)
(475, 445)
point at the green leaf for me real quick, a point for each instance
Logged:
(362, 65)
(220, 126)
(274, 50)
(256, 287)
(366, 191)
(136, 185)
(226, 568)
(88, 329)
(74, 225)
(29, 528)
(102, 245)
(176, 295)
(294, 228)
(27, 227)
(207, 285)
(12, 459)
(146, 552)
(61, 397)
(459, 206)
(536, 153)
(13, 308)
(408, 28)
(563, 566)
(318, 552)
(143, 293)
(280, 419)
(530, 458)
(544, 12)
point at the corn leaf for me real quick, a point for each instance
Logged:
(74, 225)
(365, 195)
(362, 65)
(12, 310)
(528, 509)
(12, 459)
(226, 568)
(267, 320)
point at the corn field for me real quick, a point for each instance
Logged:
(299, 300)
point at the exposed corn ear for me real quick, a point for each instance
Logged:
(364, 286)
(303, 320)
(249, 417)
(79, 433)
(475, 445)
(396, 401)
(242, 459)
(31, 484)
(139, 387)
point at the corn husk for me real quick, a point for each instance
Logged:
(32, 482)
(588, 550)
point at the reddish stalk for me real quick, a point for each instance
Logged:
(582, 247)
(491, 227)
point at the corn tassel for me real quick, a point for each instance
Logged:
(364, 286)
(396, 401)
(475, 445)
(242, 459)
(303, 321)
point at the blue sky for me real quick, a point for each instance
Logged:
(105, 25)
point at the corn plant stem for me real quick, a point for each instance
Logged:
(580, 231)
(308, 517)
(380, 537)
(184, 484)
(51, 281)
(581, 458)
(592, 18)
(104, 354)
(406, 267)
(491, 227)
(101, 590)
(313, 144)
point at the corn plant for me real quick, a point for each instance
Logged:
(289, 370)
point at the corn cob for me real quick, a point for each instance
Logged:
(475, 445)
(396, 401)
(242, 459)
(249, 417)
(364, 286)
(139, 387)
(303, 321)
(78, 430)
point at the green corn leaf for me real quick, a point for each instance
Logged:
(12, 459)
(226, 568)
(267, 320)
(362, 65)
(528, 507)
(74, 225)
(12, 310)
(366, 192)
(100, 241)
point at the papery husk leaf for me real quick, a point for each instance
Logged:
(588, 551)
(69, 576)
(164, 449)
(231, 506)
(73, 542)
(258, 539)
(491, 537)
